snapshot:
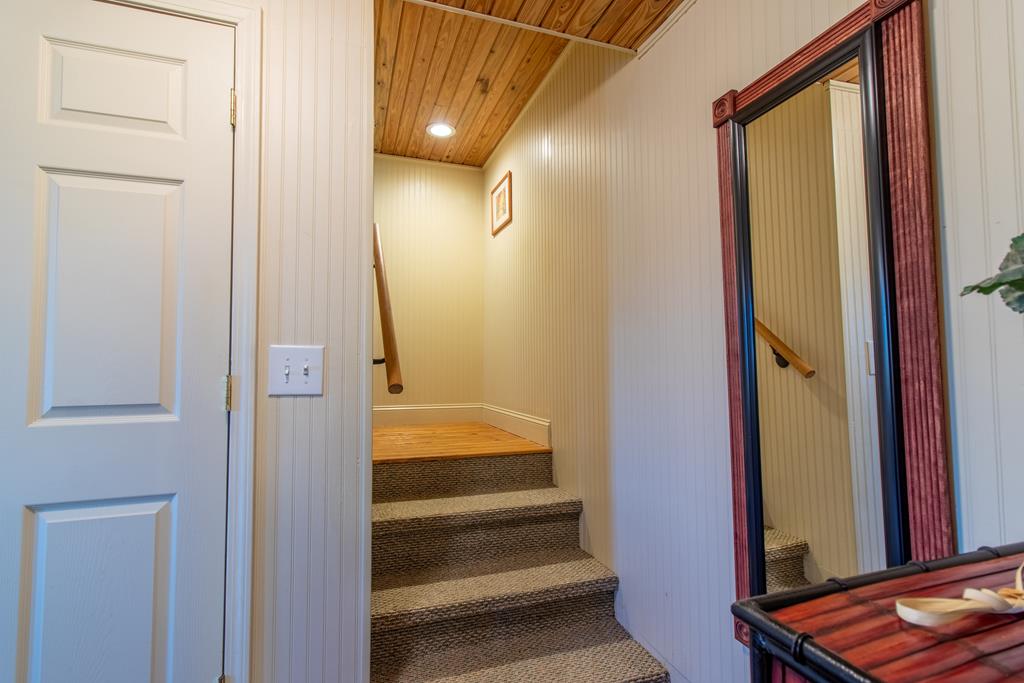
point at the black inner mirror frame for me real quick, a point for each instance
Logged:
(866, 47)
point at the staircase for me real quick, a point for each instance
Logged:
(478, 578)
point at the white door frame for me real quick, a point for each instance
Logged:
(248, 24)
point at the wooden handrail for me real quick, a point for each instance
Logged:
(780, 348)
(387, 321)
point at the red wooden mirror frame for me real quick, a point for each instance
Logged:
(901, 24)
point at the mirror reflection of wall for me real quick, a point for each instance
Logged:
(820, 464)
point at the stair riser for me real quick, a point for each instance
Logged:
(393, 481)
(426, 644)
(784, 573)
(418, 549)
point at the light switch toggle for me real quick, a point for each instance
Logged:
(283, 382)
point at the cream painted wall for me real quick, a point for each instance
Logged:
(794, 244)
(310, 606)
(432, 231)
(978, 62)
(614, 171)
(546, 282)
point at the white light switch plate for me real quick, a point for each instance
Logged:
(296, 370)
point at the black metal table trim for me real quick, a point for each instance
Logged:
(798, 651)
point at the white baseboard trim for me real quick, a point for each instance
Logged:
(527, 426)
(388, 416)
(535, 429)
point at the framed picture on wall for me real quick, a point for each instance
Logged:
(501, 204)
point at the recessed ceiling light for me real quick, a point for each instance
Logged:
(440, 130)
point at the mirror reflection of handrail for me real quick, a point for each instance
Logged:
(393, 367)
(784, 355)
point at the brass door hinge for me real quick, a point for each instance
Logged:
(233, 117)
(222, 678)
(228, 385)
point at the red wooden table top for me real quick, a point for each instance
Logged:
(861, 626)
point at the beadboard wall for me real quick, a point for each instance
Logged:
(546, 326)
(794, 245)
(431, 225)
(311, 612)
(978, 62)
(614, 170)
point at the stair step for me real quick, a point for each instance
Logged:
(478, 576)
(558, 648)
(415, 535)
(438, 441)
(444, 593)
(438, 513)
(398, 481)
(784, 560)
(779, 544)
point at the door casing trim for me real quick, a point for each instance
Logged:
(248, 25)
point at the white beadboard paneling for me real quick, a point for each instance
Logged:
(858, 327)
(805, 454)
(978, 67)
(433, 238)
(545, 312)
(311, 615)
(614, 171)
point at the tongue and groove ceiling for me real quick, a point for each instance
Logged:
(477, 75)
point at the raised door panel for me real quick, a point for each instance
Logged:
(110, 322)
(105, 86)
(107, 563)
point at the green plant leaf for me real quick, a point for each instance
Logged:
(1009, 280)
(1013, 295)
(1016, 255)
(1006, 277)
(1017, 247)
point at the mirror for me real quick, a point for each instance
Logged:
(815, 343)
(833, 335)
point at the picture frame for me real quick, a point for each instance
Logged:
(501, 204)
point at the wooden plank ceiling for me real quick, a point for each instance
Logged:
(477, 75)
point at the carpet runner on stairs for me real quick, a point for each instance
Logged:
(784, 560)
(478, 578)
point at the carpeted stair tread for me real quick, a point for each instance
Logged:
(592, 651)
(489, 565)
(779, 544)
(434, 513)
(784, 560)
(394, 481)
(400, 603)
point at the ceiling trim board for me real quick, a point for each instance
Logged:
(429, 162)
(521, 25)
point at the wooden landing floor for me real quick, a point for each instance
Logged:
(449, 440)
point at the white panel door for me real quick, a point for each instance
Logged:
(115, 256)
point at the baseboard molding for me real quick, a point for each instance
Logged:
(388, 416)
(675, 674)
(535, 429)
(527, 426)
